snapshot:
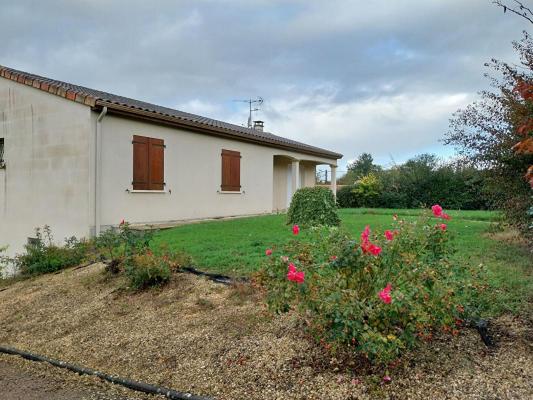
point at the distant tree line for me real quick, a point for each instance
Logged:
(421, 181)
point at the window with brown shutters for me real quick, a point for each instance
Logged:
(148, 163)
(231, 171)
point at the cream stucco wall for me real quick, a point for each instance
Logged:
(192, 175)
(47, 175)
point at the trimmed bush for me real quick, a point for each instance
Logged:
(313, 206)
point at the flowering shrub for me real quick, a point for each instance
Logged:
(375, 296)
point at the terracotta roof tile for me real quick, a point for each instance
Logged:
(93, 98)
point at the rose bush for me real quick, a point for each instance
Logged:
(375, 296)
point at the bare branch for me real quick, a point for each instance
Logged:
(522, 10)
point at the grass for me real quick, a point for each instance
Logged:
(237, 247)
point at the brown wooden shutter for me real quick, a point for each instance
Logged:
(148, 163)
(141, 176)
(157, 164)
(231, 171)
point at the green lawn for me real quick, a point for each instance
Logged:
(237, 246)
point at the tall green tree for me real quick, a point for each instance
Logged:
(363, 166)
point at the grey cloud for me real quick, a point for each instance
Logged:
(321, 61)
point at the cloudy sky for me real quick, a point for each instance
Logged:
(353, 76)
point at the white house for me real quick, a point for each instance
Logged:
(80, 160)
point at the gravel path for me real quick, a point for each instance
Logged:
(25, 380)
(196, 336)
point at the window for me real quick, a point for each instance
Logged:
(148, 163)
(231, 171)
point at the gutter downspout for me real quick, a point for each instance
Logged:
(98, 173)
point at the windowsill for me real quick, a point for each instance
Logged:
(148, 191)
(231, 192)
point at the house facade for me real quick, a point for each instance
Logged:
(81, 160)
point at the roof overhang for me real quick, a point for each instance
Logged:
(170, 120)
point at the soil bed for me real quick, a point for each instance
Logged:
(197, 336)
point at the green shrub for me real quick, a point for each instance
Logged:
(368, 190)
(147, 270)
(373, 297)
(116, 244)
(128, 252)
(346, 197)
(313, 206)
(43, 256)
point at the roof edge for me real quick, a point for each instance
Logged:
(48, 86)
(62, 89)
(207, 129)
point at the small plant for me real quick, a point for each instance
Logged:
(147, 270)
(43, 256)
(128, 252)
(374, 296)
(116, 244)
(312, 207)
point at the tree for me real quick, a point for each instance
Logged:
(525, 89)
(363, 166)
(486, 132)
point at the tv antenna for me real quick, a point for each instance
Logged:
(253, 107)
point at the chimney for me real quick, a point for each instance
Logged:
(259, 125)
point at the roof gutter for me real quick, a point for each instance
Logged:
(207, 129)
(98, 173)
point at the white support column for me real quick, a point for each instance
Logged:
(334, 180)
(295, 176)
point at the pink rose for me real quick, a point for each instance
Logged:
(389, 235)
(295, 229)
(437, 210)
(442, 227)
(371, 248)
(374, 250)
(385, 295)
(268, 252)
(446, 216)
(295, 275)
